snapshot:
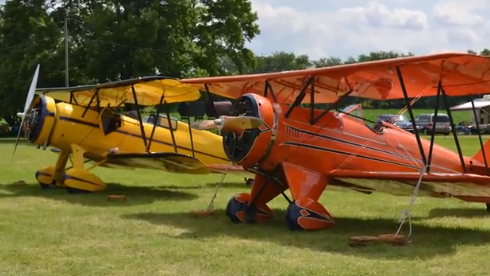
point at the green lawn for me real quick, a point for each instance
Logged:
(458, 116)
(53, 233)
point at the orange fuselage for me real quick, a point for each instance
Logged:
(307, 153)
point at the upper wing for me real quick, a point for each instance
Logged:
(462, 74)
(149, 91)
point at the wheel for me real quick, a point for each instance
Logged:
(238, 210)
(76, 191)
(488, 207)
(46, 186)
(307, 214)
(235, 209)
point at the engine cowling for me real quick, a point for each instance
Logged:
(250, 147)
(40, 120)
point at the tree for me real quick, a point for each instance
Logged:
(28, 36)
(327, 62)
(281, 61)
(119, 39)
(181, 38)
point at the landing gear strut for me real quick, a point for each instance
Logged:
(249, 181)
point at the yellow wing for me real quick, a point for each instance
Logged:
(168, 161)
(149, 91)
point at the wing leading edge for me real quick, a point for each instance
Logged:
(403, 183)
(460, 74)
(149, 91)
(168, 161)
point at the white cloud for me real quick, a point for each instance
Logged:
(353, 27)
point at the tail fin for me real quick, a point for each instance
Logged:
(479, 155)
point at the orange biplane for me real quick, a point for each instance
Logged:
(304, 149)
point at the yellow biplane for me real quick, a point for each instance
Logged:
(83, 125)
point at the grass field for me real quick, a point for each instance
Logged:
(458, 116)
(53, 233)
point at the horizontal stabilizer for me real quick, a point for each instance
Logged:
(167, 161)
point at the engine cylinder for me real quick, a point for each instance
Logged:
(250, 147)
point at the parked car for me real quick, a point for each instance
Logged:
(398, 120)
(425, 122)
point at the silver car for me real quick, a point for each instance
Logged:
(425, 122)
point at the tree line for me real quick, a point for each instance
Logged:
(119, 39)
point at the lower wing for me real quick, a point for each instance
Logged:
(168, 161)
(464, 186)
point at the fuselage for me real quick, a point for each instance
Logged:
(335, 141)
(61, 124)
(339, 141)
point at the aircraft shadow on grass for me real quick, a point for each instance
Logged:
(136, 195)
(459, 213)
(428, 241)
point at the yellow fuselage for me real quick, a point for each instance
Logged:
(62, 125)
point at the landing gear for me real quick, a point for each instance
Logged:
(239, 211)
(76, 180)
(303, 213)
(44, 177)
(307, 214)
(82, 181)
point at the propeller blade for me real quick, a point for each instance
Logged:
(205, 125)
(30, 96)
(241, 122)
(229, 123)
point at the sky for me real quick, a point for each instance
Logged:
(334, 28)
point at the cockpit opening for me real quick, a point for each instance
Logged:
(111, 121)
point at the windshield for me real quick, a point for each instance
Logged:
(399, 118)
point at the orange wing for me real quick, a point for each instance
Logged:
(460, 74)
(463, 186)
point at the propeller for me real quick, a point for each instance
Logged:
(228, 123)
(23, 115)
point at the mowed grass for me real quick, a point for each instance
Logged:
(153, 233)
(458, 116)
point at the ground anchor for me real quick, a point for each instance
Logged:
(392, 239)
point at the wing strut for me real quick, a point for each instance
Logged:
(155, 126)
(167, 111)
(432, 137)
(96, 94)
(268, 88)
(332, 106)
(190, 135)
(410, 112)
(312, 103)
(453, 129)
(477, 121)
(72, 98)
(138, 113)
(210, 98)
(309, 83)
